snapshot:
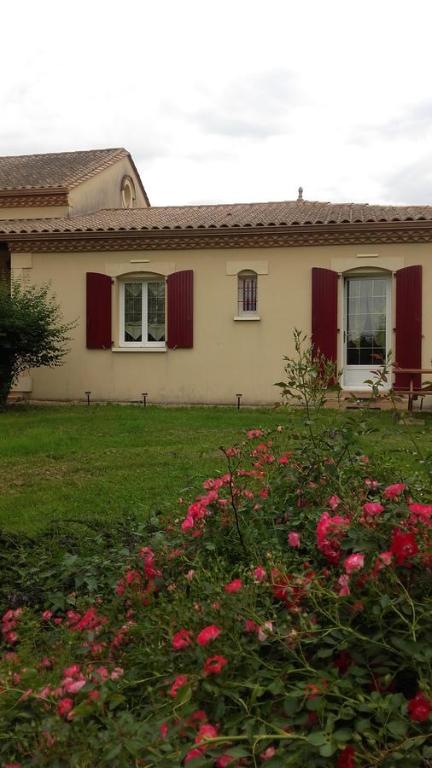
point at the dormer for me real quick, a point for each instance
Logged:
(67, 184)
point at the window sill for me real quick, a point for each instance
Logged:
(247, 317)
(138, 349)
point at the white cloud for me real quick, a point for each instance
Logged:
(229, 101)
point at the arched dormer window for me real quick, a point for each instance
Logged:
(128, 194)
(247, 302)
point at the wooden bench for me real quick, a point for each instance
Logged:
(414, 391)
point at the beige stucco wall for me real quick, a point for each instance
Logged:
(228, 356)
(103, 190)
(46, 212)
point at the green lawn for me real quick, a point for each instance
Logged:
(77, 462)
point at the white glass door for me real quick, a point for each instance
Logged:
(367, 327)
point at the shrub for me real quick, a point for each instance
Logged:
(281, 618)
(32, 333)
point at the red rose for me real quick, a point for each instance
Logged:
(192, 755)
(346, 758)
(214, 664)
(234, 586)
(419, 708)
(403, 545)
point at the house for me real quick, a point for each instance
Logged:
(194, 304)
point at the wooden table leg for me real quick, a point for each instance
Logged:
(411, 396)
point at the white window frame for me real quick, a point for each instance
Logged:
(140, 344)
(247, 313)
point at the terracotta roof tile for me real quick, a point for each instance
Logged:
(54, 170)
(194, 217)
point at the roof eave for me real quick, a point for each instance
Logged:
(223, 237)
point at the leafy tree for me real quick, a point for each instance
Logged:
(32, 332)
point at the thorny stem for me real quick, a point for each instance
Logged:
(233, 500)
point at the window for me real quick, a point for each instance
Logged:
(128, 192)
(247, 293)
(142, 313)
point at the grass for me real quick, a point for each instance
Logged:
(75, 463)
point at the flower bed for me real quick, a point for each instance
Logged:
(283, 617)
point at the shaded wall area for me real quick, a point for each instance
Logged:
(5, 263)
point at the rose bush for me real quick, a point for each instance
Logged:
(282, 617)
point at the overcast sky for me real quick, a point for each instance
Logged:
(229, 101)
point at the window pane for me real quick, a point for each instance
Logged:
(156, 311)
(366, 321)
(133, 312)
(247, 294)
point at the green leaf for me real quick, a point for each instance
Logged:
(397, 727)
(362, 725)
(342, 734)
(277, 686)
(317, 738)
(328, 749)
(114, 752)
(324, 653)
(237, 752)
(183, 696)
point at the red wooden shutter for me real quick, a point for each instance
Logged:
(408, 324)
(324, 312)
(180, 310)
(98, 292)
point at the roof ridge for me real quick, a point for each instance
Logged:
(263, 203)
(213, 205)
(64, 152)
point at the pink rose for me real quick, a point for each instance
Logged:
(117, 673)
(343, 582)
(293, 539)
(393, 491)
(181, 639)
(179, 682)
(208, 634)
(223, 761)
(64, 708)
(260, 573)
(264, 630)
(234, 586)
(268, 753)
(206, 731)
(373, 508)
(354, 563)
(386, 557)
(73, 686)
